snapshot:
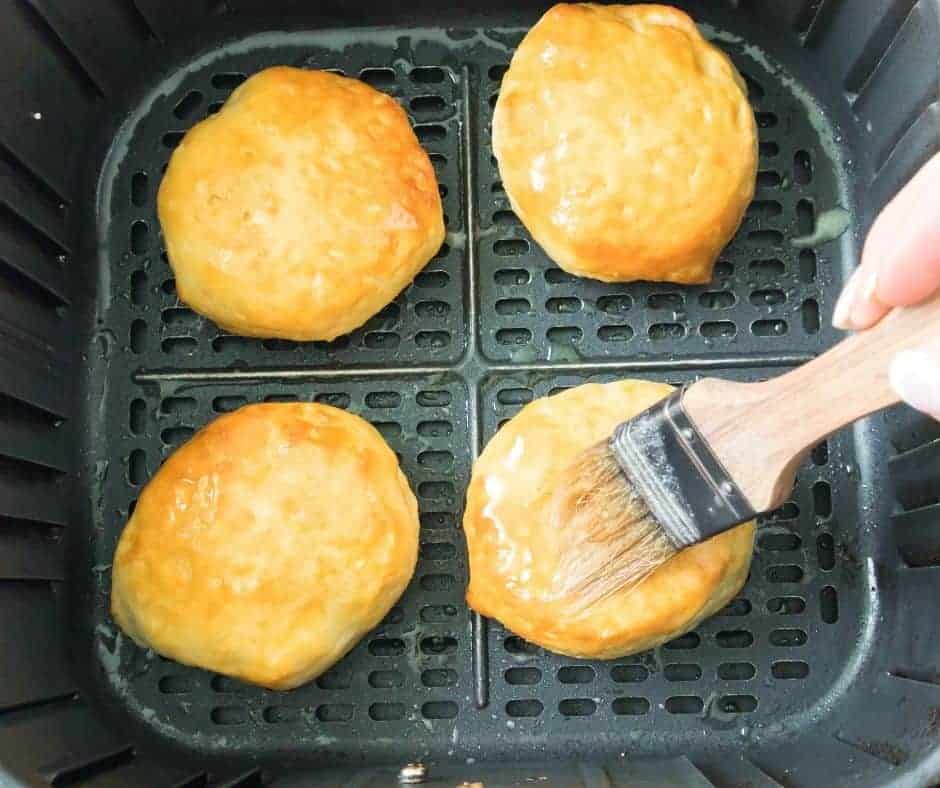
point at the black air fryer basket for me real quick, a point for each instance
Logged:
(824, 671)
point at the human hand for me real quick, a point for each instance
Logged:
(901, 266)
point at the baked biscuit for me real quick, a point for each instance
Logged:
(266, 546)
(301, 208)
(514, 549)
(625, 142)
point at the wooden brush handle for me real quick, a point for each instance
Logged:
(762, 431)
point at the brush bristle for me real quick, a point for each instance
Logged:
(610, 541)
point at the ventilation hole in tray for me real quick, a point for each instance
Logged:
(439, 710)
(438, 489)
(169, 286)
(387, 712)
(176, 685)
(524, 708)
(513, 306)
(805, 217)
(497, 187)
(629, 674)
(788, 511)
(555, 276)
(807, 266)
(515, 396)
(684, 642)
(378, 77)
(786, 605)
(439, 645)
(736, 671)
(621, 333)
(765, 120)
(130, 508)
(179, 346)
(428, 105)
(734, 638)
(630, 706)
(768, 179)
(505, 218)
(576, 674)
(769, 328)
(496, 72)
(787, 637)
(180, 318)
(523, 676)
(723, 269)
(386, 679)
(137, 467)
(281, 398)
(684, 704)
(438, 582)
(434, 520)
(430, 132)
(564, 335)
(438, 551)
(138, 288)
(557, 390)
(516, 645)
(765, 237)
(382, 340)
(334, 712)
(439, 677)
(494, 97)
(188, 104)
(659, 332)
(822, 500)
(138, 416)
(432, 280)
(510, 247)
(615, 304)
(336, 678)
(717, 299)
(563, 306)
(140, 233)
(577, 707)
(825, 551)
(802, 167)
(172, 138)
(737, 704)
(435, 429)
(673, 301)
(174, 436)
(139, 192)
(736, 607)
(829, 605)
(784, 573)
(767, 150)
(214, 107)
(432, 310)
(439, 160)
(768, 297)
(280, 714)
(139, 334)
(435, 614)
(280, 345)
(789, 670)
(763, 210)
(513, 336)
(511, 277)
(387, 647)
(680, 671)
(718, 329)
(227, 404)
(779, 542)
(383, 399)
(229, 715)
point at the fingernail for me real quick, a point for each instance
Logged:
(915, 376)
(840, 315)
(871, 283)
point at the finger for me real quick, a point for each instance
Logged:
(915, 376)
(904, 243)
(858, 307)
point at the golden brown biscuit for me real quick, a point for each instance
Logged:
(301, 208)
(514, 550)
(266, 546)
(625, 142)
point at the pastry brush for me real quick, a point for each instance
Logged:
(712, 455)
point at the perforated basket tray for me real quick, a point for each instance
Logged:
(490, 324)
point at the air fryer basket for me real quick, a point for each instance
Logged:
(826, 668)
